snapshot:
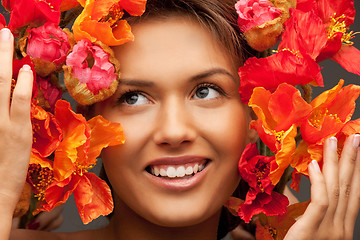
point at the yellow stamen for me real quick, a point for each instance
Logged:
(272, 231)
(41, 179)
(337, 24)
(115, 14)
(294, 52)
(279, 135)
(317, 117)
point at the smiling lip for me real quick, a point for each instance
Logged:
(178, 183)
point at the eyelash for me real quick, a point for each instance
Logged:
(125, 94)
(210, 85)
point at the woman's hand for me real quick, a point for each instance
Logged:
(15, 131)
(335, 195)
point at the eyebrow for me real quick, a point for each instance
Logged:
(197, 77)
(211, 72)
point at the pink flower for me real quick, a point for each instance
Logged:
(49, 93)
(89, 74)
(255, 13)
(48, 43)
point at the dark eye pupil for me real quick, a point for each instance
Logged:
(132, 98)
(202, 92)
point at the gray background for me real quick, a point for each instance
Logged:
(332, 72)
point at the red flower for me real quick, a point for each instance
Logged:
(283, 67)
(24, 12)
(89, 75)
(255, 169)
(322, 28)
(2, 21)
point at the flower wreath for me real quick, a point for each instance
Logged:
(292, 127)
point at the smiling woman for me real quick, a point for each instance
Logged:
(186, 128)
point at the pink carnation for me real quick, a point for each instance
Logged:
(48, 43)
(90, 64)
(254, 13)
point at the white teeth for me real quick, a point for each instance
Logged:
(180, 171)
(196, 168)
(189, 170)
(173, 171)
(156, 171)
(163, 172)
(201, 167)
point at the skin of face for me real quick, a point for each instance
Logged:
(177, 97)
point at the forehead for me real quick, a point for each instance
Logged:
(171, 46)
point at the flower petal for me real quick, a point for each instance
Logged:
(93, 198)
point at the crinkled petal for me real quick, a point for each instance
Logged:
(92, 198)
(283, 67)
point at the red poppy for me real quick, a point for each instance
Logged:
(322, 28)
(37, 12)
(255, 169)
(284, 67)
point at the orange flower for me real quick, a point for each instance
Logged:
(276, 227)
(331, 114)
(46, 131)
(76, 154)
(101, 21)
(331, 110)
(279, 114)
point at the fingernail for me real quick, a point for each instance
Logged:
(33, 225)
(5, 34)
(356, 140)
(333, 143)
(26, 68)
(315, 165)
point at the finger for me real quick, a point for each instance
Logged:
(317, 208)
(20, 105)
(55, 224)
(354, 201)
(308, 224)
(331, 174)
(45, 219)
(347, 165)
(6, 56)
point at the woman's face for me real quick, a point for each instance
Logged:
(183, 120)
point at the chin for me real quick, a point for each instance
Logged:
(181, 218)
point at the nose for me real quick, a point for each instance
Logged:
(175, 126)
